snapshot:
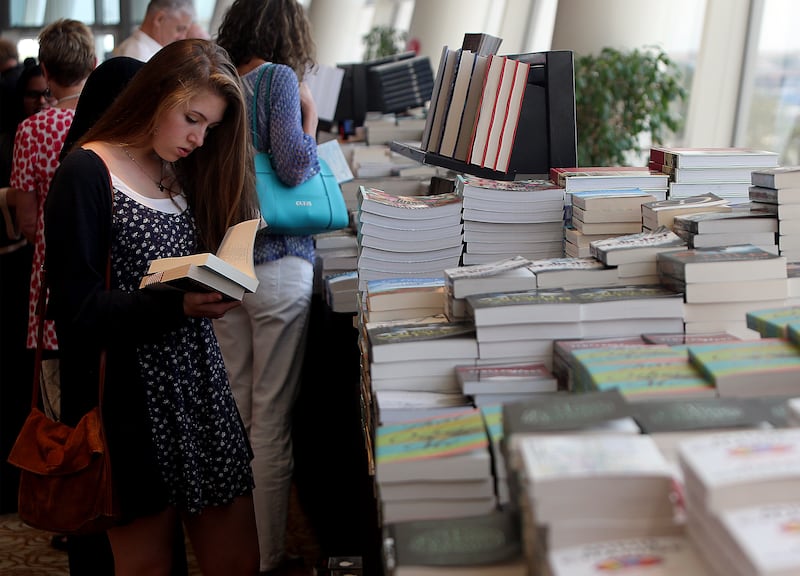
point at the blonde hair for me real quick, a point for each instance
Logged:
(217, 178)
(66, 50)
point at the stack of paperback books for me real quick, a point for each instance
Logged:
(569, 273)
(407, 236)
(402, 299)
(720, 285)
(743, 499)
(663, 212)
(434, 468)
(721, 171)
(746, 224)
(506, 275)
(504, 219)
(778, 190)
(634, 255)
(615, 212)
(492, 384)
(408, 368)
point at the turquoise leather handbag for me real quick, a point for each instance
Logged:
(315, 206)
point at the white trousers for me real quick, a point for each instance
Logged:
(262, 343)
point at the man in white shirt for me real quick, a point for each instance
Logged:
(165, 21)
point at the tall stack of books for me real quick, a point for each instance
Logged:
(721, 171)
(505, 219)
(596, 178)
(400, 85)
(720, 285)
(745, 224)
(743, 500)
(434, 468)
(407, 236)
(778, 190)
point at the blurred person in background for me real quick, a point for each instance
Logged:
(165, 21)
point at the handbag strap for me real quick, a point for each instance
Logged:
(267, 68)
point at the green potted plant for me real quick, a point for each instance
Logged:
(621, 96)
(382, 41)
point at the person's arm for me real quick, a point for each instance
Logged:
(23, 179)
(308, 110)
(294, 151)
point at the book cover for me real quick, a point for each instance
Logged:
(488, 100)
(645, 372)
(422, 341)
(566, 412)
(429, 449)
(776, 177)
(738, 220)
(662, 212)
(508, 131)
(721, 264)
(605, 177)
(635, 247)
(520, 307)
(509, 190)
(443, 99)
(398, 206)
(766, 536)
(458, 100)
(471, 108)
(474, 541)
(774, 195)
(437, 86)
(664, 556)
(712, 157)
(232, 262)
(773, 322)
(609, 199)
(725, 470)
(749, 367)
(674, 415)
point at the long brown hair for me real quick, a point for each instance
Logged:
(218, 177)
(274, 30)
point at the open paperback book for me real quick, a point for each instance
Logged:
(230, 271)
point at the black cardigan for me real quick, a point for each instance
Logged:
(78, 234)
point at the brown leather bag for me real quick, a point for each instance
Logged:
(65, 479)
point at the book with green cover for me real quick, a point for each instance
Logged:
(743, 262)
(487, 540)
(554, 305)
(773, 322)
(674, 415)
(413, 341)
(770, 366)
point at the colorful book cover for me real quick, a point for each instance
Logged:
(437, 437)
(750, 360)
(640, 371)
(393, 333)
(773, 322)
(407, 202)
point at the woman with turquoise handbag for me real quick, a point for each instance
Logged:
(263, 340)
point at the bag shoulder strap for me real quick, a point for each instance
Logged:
(267, 68)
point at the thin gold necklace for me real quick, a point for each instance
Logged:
(65, 98)
(159, 183)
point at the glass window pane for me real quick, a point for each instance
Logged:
(772, 120)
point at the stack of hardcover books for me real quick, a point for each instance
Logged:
(721, 171)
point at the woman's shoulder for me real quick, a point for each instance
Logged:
(282, 75)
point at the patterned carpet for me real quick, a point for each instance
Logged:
(25, 551)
